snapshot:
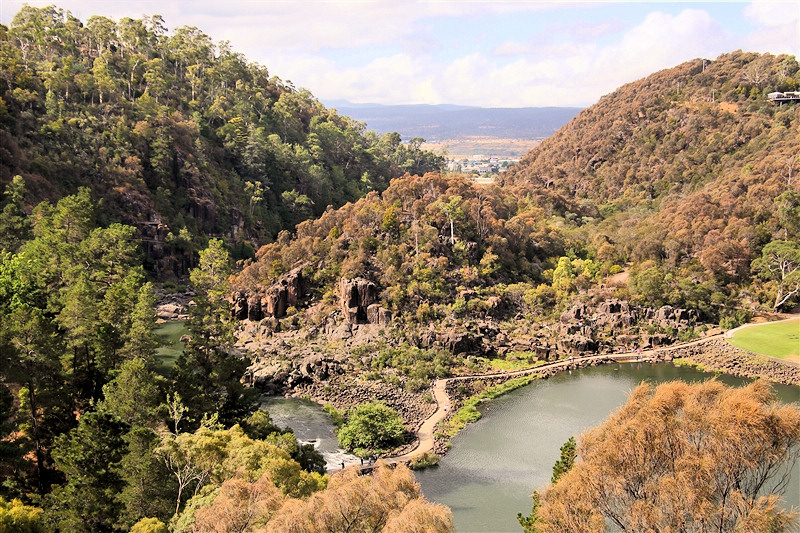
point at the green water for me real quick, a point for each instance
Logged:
(495, 464)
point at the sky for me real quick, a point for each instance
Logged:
(479, 53)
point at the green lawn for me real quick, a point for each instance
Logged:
(169, 333)
(776, 339)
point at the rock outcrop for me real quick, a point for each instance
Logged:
(358, 301)
(616, 322)
(288, 291)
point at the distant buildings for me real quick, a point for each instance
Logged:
(479, 164)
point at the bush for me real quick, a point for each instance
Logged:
(424, 461)
(335, 414)
(371, 428)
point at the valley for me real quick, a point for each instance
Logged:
(184, 234)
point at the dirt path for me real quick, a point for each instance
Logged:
(425, 438)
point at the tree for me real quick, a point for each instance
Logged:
(453, 211)
(208, 373)
(147, 486)
(694, 458)
(15, 517)
(389, 501)
(14, 225)
(88, 456)
(372, 427)
(780, 262)
(240, 505)
(532, 523)
(788, 211)
(134, 396)
(149, 525)
(566, 461)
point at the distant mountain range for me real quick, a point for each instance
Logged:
(436, 123)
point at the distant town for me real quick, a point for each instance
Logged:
(480, 164)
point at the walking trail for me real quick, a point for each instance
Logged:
(425, 438)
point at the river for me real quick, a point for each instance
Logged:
(495, 464)
(310, 425)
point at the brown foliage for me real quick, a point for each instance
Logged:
(691, 146)
(682, 458)
(389, 501)
(240, 506)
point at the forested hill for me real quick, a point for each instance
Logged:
(170, 127)
(687, 178)
(692, 162)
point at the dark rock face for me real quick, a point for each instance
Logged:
(615, 322)
(358, 300)
(273, 302)
(355, 296)
(240, 307)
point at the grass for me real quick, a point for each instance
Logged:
(169, 333)
(513, 361)
(775, 339)
(469, 411)
(424, 461)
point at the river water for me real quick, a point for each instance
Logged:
(310, 425)
(495, 464)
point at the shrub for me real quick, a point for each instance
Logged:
(373, 427)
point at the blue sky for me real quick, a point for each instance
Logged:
(491, 54)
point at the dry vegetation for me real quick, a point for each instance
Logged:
(692, 458)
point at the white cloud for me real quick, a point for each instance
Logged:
(391, 52)
(778, 27)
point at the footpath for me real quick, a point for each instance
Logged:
(444, 404)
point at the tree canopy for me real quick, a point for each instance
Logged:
(678, 457)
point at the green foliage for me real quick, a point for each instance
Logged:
(371, 428)
(18, 518)
(336, 416)
(208, 375)
(423, 461)
(568, 454)
(179, 129)
(87, 456)
(149, 525)
(420, 364)
(14, 225)
(468, 413)
(780, 262)
(532, 523)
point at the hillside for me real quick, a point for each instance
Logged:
(438, 123)
(689, 164)
(177, 135)
(686, 179)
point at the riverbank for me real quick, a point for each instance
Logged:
(719, 355)
(427, 414)
(709, 354)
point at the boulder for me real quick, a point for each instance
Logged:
(460, 341)
(575, 313)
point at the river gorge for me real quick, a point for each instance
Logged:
(495, 464)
